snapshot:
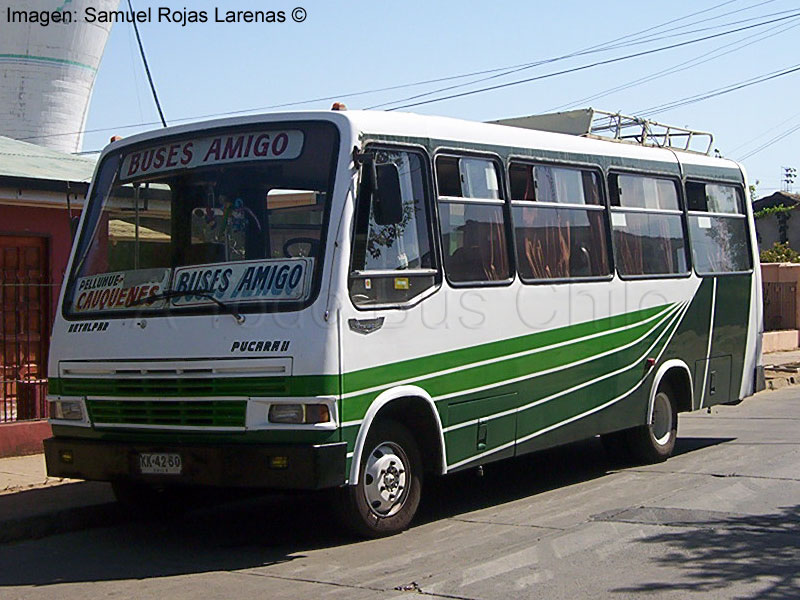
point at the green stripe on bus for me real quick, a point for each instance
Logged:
(523, 366)
(415, 367)
(532, 417)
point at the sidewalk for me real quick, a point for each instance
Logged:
(20, 473)
(35, 505)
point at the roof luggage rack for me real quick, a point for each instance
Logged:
(601, 124)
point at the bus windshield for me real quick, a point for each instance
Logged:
(232, 216)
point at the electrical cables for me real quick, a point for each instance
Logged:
(770, 142)
(777, 23)
(654, 110)
(683, 66)
(147, 68)
(764, 133)
(592, 65)
(637, 40)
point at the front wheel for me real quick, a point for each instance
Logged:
(655, 441)
(386, 496)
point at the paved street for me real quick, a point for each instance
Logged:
(721, 519)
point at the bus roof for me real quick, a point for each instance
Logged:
(447, 129)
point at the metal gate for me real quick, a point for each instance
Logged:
(25, 300)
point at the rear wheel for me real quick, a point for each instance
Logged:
(655, 441)
(386, 496)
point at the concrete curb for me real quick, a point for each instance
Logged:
(38, 512)
(777, 382)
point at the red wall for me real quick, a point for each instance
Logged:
(18, 439)
(51, 223)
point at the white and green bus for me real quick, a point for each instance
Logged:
(359, 300)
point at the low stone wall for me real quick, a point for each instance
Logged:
(25, 437)
(780, 341)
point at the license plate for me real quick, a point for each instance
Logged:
(160, 463)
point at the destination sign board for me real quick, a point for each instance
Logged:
(220, 149)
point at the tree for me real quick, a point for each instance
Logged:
(752, 189)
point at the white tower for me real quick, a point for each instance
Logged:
(47, 72)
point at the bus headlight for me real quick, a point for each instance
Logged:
(299, 414)
(67, 410)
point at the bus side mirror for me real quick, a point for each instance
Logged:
(387, 197)
(369, 178)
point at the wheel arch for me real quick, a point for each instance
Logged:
(677, 374)
(413, 407)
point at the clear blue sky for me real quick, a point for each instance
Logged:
(342, 47)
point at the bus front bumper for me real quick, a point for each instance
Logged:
(287, 467)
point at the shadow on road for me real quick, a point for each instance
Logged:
(728, 552)
(271, 529)
(532, 474)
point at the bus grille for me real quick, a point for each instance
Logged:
(148, 386)
(191, 413)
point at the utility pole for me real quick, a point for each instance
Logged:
(789, 175)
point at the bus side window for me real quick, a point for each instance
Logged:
(559, 221)
(394, 263)
(647, 226)
(717, 228)
(472, 220)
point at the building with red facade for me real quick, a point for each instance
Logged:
(40, 191)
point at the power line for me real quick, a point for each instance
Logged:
(506, 70)
(764, 133)
(677, 33)
(610, 45)
(683, 66)
(272, 106)
(654, 110)
(147, 68)
(135, 72)
(502, 70)
(592, 65)
(769, 143)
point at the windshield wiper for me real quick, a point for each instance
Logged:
(179, 294)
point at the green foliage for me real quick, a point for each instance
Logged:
(774, 210)
(753, 191)
(780, 253)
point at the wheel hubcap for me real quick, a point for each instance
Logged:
(661, 425)
(385, 477)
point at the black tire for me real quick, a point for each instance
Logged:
(146, 500)
(381, 506)
(655, 441)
